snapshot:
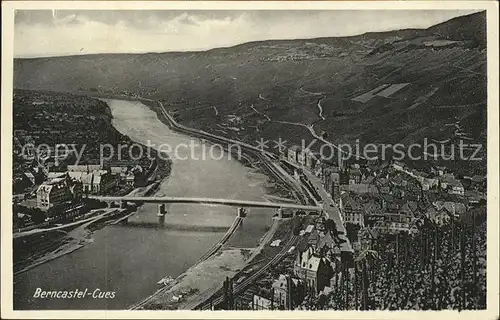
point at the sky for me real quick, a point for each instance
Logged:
(40, 33)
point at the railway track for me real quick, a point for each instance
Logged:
(207, 255)
(243, 285)
(226, 236)
(272, 169)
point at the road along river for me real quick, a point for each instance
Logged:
(129, 259)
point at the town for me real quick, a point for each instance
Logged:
(49, 189)
(412, 232)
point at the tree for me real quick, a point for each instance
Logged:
(474, 261)
(321, 302)
(297, 223)
(38, 216)
(363, 258)
(462, 265)
(330, 226)
(356, 293)
(433, 268)
(346, 283)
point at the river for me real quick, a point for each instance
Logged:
(130, 258)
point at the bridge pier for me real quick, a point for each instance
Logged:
(280, 212)
(123, 204)
(161, 219)
(161, 210)
(242, 213)
(296, 174)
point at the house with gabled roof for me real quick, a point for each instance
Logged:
(287, 292)
(314, 270)
(439, 216)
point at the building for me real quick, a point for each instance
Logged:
(76, 190)
(397, 216)
(366, 238)
(355, 176)
(439, 217)
(309, 229)
(313, 238)
(130, 179)
(331, 182)
(287, 292)
(453, 186)
(474, 197)
(344, 177)
(261, 303)
(446, 180)
(454, 208)
(361, 188)
(326, 246)
(351, 210)
(355, 218)
(315, 271)
(301, 157)
(304, 157)
(139, 173)
(400, 166)
(102, 182)
(429, 183)
(457, 189)
(310, 159)
(331, 179)
(86, 179)
(55, 175)
(399, 180)
(439, 170)
(85, 167)
(478, 182)
(77, 175)
(30, 176)
(119, 172)
(95, 182)
(320, 224)
(384, 189)
(52, 194)
(98, 183)
(292, 154)
(390, 223)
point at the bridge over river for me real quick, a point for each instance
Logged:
(208, 201)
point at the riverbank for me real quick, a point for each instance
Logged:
(76, 238)
(73, 240)
(60, 243)
(200, 282)
(83, 122)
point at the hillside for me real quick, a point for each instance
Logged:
(79, 123)
(246, 92)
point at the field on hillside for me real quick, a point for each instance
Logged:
(272, 89)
